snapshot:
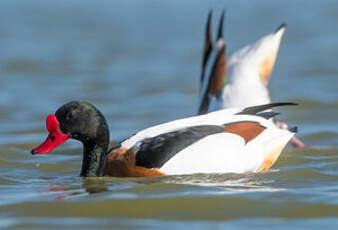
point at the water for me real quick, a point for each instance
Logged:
(139, 62)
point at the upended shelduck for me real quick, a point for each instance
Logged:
(226, 141)
(243, 79)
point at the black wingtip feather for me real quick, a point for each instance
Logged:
(220, 26)
(259, 108)
(207, 44)
(282, 26)
(208, 27)
(209, 15)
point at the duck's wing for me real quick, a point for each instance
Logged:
(212, 148)
(213, 80)
(207, 45)
(158, 146)
(215, 118)
(154, 152)
(227, 152)
(213, 73)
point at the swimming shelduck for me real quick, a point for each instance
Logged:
(231, 140)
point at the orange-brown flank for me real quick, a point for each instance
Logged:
(247, 130)
(121, 163)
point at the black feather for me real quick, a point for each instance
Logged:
(156, 151)
(283, 25)
(203, 109)
(253, 110)
(293, 129)
(267, 115)
(220, 26)
(207, 44)
(220, 51)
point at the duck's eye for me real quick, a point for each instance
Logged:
(52, 138)
(69, 116)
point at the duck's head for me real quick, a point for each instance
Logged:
(77, 120)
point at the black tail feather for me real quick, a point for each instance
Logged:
(259, 108)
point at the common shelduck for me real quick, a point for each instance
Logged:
(241, 81)
(231, 140)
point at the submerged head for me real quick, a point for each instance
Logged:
(77, 120)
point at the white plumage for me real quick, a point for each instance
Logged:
(221, 152)
(248, 72)
(227, 152)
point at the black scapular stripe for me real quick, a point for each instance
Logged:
(156, 151)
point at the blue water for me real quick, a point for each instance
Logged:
(139, 63)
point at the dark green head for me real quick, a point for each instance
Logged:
(83, 122)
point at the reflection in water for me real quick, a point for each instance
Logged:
(229, 183)
(93, 185)
(62, 191)
(163, 186)
(89, 186)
